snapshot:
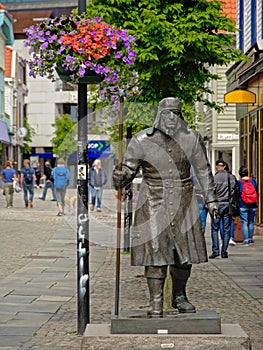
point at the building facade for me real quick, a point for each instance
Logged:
(221, 130)
(245, 90)
(6, 39)
(15, 93)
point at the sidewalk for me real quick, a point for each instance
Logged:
(38, 277)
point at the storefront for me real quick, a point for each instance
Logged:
(251, 150)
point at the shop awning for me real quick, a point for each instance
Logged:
(240, 96)
(4, 136)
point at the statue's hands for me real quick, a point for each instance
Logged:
(213, 209)
(117, 177)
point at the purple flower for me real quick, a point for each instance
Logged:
(81, 71)
(69, 59)
(106, 69)
(62, 48)
(118, 54)
(43, 46)
(108, 79)
(54, 37)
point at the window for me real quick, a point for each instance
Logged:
(253, 22)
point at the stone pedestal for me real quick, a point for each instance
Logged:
(136, 322)
(99, 337)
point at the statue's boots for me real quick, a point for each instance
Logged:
(155, 286)
(179, 298)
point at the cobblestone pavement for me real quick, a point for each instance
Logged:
(36, 238)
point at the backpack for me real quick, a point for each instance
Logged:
(249, 194)
(28, 176)
(61, 180)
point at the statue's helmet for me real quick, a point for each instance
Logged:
(170, 103)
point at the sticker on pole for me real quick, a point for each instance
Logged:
(81, 172)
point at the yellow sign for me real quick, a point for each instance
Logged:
(240, 96)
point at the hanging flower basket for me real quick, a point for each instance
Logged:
(90, 77)
(87, 50)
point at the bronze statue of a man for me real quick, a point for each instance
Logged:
(167, 228)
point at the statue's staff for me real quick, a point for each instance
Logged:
(118, 245)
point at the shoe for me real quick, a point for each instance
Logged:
(98, 209)
(31, 204)
(26, 206)
(92, 208)
(224, 256)
(250, 242)
(53, 200)
(213, 255)
(41, 198)
(232, 242)
(183, 305)
(59, 213)
(9, 206)
(245, 243)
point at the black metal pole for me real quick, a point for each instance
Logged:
(128, 205)
(82, 206)
(118, 243)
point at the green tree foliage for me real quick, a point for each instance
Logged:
(28, 138)
(177, 43)
(64, 143)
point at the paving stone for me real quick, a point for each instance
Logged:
(220, 285)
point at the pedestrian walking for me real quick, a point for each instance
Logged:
(49, 183)
(61, 181)
(8, 176)
(232, 225)
(167, 228)
(27, 181)
(38, 173)
(226, 187)
(248, 197)
(97, 179)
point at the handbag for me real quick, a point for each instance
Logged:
(17, 188)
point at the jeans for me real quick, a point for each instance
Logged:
(28, 188)
(49, 185)
(247, 216)
(203, 214)
(89, 192)
(223, 215)
(232, 229)
(96, 193)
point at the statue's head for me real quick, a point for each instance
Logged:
(169, 115)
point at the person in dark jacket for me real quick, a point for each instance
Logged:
(48, 183)
(38, 173)
(247, 211)
(226, 186)
(97, 179)
(167, 228)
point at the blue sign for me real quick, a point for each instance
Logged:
(95, 146)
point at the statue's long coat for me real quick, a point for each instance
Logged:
(167, 225)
